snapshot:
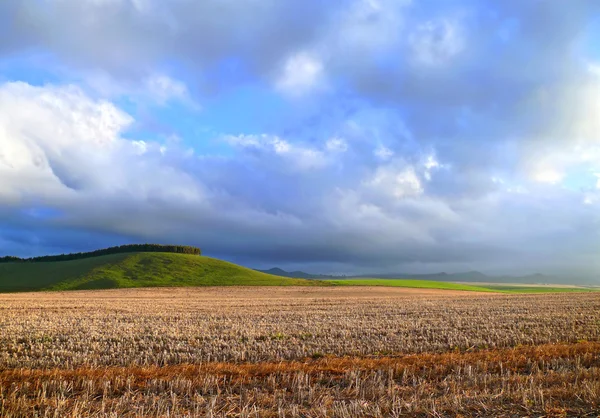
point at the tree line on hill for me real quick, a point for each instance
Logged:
(130, 248)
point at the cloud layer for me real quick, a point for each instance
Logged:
(410, 136)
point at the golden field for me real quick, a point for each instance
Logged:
(307, 352)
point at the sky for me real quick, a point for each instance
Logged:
(345, 137)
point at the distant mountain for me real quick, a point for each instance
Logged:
(469, 276)
(297, 274)
(475, 276)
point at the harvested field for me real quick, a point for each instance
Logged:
(549, 380)
(298, 352)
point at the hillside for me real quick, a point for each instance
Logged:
(133, 270)
(168, 269)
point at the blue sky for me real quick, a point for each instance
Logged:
(349, 136)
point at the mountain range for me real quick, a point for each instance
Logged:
(298, 274)
(469, 276)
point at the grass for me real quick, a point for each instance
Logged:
(150, 269)
(539, 289)
(430, 284)
(419, 284)
(134, 270)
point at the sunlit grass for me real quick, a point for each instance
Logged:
(420, 284)
(429, 284)
(134, 270)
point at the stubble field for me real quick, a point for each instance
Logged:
(307, 351)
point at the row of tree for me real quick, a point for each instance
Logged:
(131, 248)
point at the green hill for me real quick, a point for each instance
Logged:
(162, 269)
(133, 270)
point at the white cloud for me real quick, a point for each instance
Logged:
(353, 211)
(431, 165)
(141, 146)
(156, 88)
(431, 162)
(548, 175)
(281, 146)
(56, 143)
(295, 155)
(570, 140)
(336, 145)
(396, 182)
(303, 158)
(594, 68)
(301, 74)
(163, 89)
(383, 153)
(247, 140)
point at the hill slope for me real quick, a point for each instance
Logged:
(133, 270)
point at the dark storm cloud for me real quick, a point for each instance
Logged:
(131, 38)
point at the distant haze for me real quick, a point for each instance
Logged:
(347, 136)
(467, 277)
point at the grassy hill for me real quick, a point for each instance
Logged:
(154, 269)
(133, 270)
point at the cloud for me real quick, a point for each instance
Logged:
(153, 89)
(396, 183)
(301, 74)
(298, 156)
(151, 33)
(164, 88)
(568, 139)
(247, 207)
(336, 145)
(421, 135)
(61, 146)
(383, 152)
(367, 27)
